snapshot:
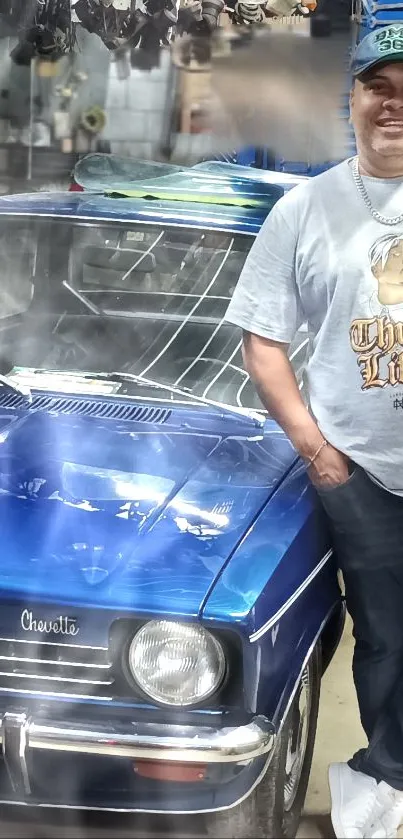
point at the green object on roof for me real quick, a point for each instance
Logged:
(121, 178)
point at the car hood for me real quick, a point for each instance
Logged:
(135, 517)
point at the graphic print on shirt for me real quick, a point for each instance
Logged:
(378, 339)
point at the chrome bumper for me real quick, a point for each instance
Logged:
(148, 741)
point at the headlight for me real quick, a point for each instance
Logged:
(176, 663)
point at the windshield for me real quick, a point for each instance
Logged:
(139, 299)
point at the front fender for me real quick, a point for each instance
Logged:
(278, 591)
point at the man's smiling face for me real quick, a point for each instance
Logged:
(376, 104)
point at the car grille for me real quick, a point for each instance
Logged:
(63, 670)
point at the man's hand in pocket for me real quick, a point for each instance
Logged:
(330, 468)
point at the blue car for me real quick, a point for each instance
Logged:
(169, 596)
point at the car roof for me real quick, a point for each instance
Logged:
(89, 207)
(213, 194)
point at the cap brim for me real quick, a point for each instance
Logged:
(387, 59)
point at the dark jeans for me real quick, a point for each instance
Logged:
(367, 525)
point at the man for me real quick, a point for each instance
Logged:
(319, 259)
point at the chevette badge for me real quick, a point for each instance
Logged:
(60, 626)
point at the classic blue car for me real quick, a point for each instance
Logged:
(169, 598)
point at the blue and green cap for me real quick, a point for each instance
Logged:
(382, 46)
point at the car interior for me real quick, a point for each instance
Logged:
(136, 299)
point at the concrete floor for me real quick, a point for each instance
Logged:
(339, 734)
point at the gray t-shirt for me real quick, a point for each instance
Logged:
(321, 258)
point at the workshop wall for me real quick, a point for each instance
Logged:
(135, 109)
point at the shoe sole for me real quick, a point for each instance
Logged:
(336, 798)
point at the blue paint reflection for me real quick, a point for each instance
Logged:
(149, 518)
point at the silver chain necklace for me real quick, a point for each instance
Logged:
(366, 199)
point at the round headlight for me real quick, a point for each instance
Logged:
(176, 663)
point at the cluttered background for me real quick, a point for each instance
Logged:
(155, 80)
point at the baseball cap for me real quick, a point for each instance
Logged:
(383, 45)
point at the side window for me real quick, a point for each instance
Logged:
(17, 260)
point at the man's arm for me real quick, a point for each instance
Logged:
(266, 304)
(271, 372)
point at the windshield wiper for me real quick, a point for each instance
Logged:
(20, 390)
(257, 417)
(246, 413)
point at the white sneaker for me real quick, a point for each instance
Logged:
(389, 821)
(356, 805)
